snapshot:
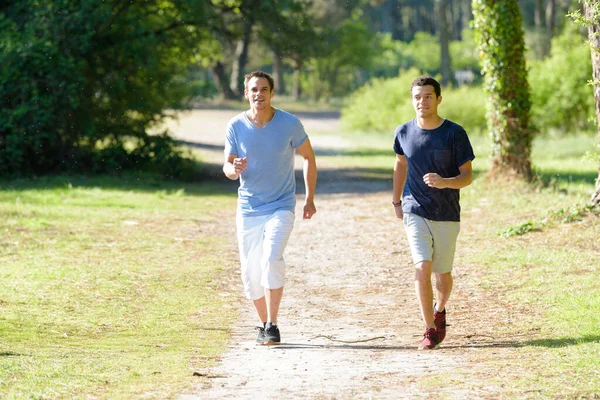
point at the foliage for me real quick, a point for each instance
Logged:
(499, 37)
(465, 105)
(561, 97)
(344, 49)
(81, 81)
(463, 53)
(562, 215)
(423, 53)
(383, 104)
(380, 105)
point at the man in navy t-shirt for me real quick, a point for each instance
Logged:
(433, 162)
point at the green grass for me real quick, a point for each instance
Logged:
(110, 287)
(549, 269)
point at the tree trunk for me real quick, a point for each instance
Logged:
(297, 87)
(538, 14)
(445, 62)
(594, 38)
(386, 16)
(550, 17)
(240, 59)
(278, 72)
(500, 40)
(466, 14)
(453, 23)
(221, 81)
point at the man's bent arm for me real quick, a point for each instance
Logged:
(229, 168)
(464, 178)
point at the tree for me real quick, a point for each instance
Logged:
(499, 37)
(445, 61)
(82, 80)
(591, 19)
(285, 26)
(296, 40)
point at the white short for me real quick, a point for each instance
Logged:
(262, 241)
(433, 241)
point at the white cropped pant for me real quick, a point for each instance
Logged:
(262, 241)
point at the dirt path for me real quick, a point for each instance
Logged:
(349, 319)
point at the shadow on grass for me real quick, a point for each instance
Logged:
(547, 343)
(208, 180)
(553, 178)
(550, 343)
(10, 354)
(212, 328)
(563, 342)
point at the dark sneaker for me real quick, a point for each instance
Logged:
(260, 339)
(272, 334)
(439, 319)
(430, 340)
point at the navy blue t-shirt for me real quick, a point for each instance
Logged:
(441, 150)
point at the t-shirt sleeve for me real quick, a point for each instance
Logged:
(230, 142)
(397, 147)
(299, 135)
(463, 149)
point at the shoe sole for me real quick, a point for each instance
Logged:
(270, 342)
(437, 346)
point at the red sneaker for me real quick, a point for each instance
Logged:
(439, 319)
(430, 340)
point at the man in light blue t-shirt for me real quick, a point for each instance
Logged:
(259, 150)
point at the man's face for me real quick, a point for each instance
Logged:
(258, 93)
(425, 101)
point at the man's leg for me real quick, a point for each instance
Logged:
(443, 288)
(261, 308)
(425, 295)
(277, 233)
(444, 245)
(250, 239)
(272, 334)
(273, 297)
(424, 291)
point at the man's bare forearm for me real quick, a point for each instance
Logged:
(310, 177)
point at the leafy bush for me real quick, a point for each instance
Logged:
(80, 79)
(383, 104)
(464, 54)
(380, 105)
(561, 96)
(465, 106)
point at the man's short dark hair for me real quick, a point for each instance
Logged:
(427, 81)
(259, 74)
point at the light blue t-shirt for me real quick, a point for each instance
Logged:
(268, 183)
